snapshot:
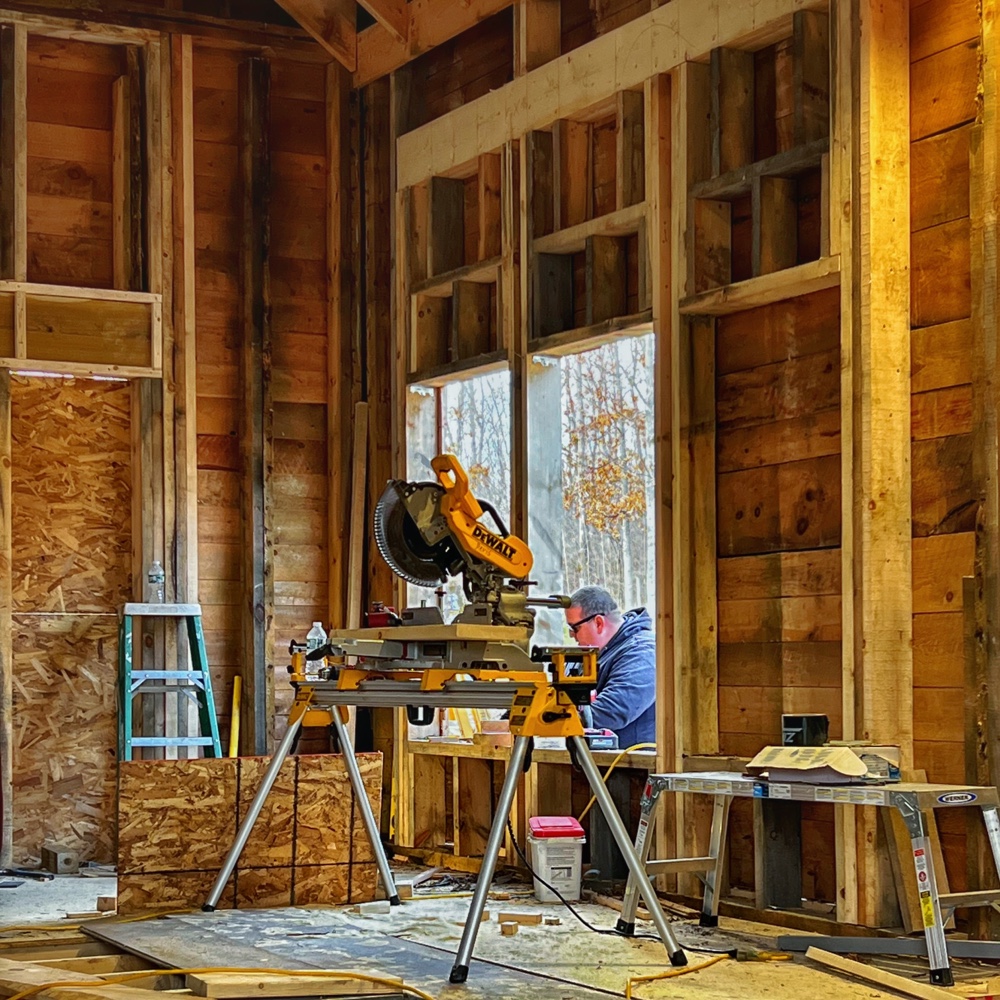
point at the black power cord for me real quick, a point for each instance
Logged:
(613, 931)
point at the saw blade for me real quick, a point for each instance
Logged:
(400, 542)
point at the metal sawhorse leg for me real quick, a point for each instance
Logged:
(711, 864)
(931, 902)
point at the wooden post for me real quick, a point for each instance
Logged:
(339, 337)
(981, 595)
(11, 97)
(876, 395)
(513, 332)
(537, 34)
(255, 429)
(128, 195)
(6, 634)
(658, 189)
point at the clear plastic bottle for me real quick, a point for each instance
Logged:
(155, 581)
(315, 637)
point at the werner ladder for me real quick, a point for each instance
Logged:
(196, 682)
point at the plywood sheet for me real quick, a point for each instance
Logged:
(181, 891)
(71, 495)
(175, 815)
(179, 818)
(64, 733)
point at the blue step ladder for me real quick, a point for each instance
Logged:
(195, 682)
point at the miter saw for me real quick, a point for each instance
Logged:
(429, 532)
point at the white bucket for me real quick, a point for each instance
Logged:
(559, 861)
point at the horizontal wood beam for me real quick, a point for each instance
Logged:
(658, 42)
(332, 23)
(788, 284)
(432, 22)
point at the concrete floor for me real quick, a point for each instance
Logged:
(40, 902)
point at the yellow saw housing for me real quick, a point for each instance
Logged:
(462, 511)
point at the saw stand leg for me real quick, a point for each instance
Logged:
(280, 755)
(460, 970)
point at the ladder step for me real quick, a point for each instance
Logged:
(166, 675)
(164, 689)
(172, 741)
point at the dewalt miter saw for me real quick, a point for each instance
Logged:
(429, 532)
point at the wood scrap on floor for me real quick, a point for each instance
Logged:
(909, 987)
(235, 985)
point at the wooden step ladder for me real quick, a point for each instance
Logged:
(196, 682)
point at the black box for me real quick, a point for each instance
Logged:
(804, 730)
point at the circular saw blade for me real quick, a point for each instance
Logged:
(399, 540)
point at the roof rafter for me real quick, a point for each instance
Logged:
(333, 23)
(393, 15)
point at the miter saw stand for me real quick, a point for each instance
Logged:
(538, 691)
(428, 532)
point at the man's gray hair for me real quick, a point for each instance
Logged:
(595, 601)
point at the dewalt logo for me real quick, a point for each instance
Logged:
(495, 542)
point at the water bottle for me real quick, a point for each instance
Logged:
(315, 638)
(155, 583)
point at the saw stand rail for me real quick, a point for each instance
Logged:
(460, 970)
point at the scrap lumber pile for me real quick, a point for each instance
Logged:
(178, 819)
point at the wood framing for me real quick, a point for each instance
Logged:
(432, 23)
(256, 416)
(331, 23)
(620, 60)
(13, 152)
(184, 327)
(339, 338)
(879, 401)
(6, 635)
(128, 189)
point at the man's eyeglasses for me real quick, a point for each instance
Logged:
(575, 627)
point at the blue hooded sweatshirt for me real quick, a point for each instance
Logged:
(626, 681)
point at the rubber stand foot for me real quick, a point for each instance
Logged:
(207, 908)
(459, 974)
(942, 977)
(708, 920)
(678, 958)
(394, 901)
(624, 928)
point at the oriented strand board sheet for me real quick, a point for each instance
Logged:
(64, 733)
(175, 815)
(178, 819)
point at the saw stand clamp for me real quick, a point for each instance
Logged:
(536, 704)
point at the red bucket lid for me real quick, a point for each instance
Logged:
(555, 826)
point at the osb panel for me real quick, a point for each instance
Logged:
(64, 733)
(175, 815)
(270, 841)
(71, 494)
(257, 888)
(315, 884)
(327, 821)
(171, 890)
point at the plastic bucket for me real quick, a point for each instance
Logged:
(558, 860)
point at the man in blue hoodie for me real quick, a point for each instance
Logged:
(626, 665)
